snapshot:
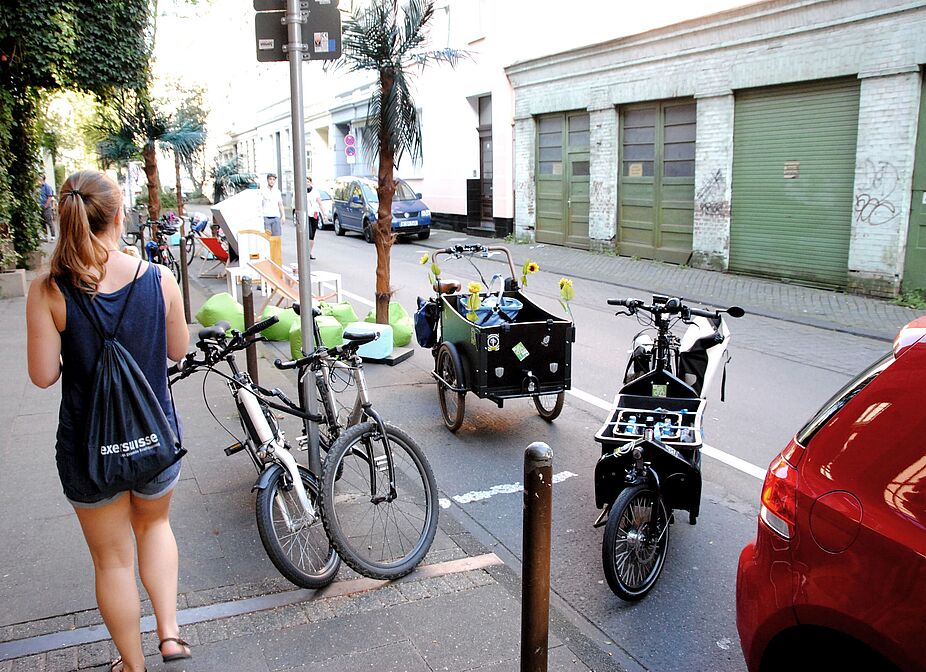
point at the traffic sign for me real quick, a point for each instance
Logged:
(349, 140)
(321, 31)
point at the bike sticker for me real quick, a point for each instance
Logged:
(493, 343)
(660, 390)
(520, 352)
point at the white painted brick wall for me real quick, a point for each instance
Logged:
(713, 182)
(888, 114)
(525, 133)
(602, 213)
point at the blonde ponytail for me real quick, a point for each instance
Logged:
(89, 205)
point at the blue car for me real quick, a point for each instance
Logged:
(355, 207)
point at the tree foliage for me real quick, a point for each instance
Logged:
(387, 40)
(97, 47)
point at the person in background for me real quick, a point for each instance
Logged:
(313, 211)
(87, 272)
(47, 203)
(271, 206)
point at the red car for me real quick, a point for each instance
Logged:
(836, 577)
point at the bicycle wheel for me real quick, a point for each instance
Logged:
(634, 551)
(297, 546)
(452, 404)
(171, 262)
(378, 533)
(549, 406)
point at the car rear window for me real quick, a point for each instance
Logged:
(841, 398)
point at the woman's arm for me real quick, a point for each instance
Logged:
(43, 342)
(178, 336)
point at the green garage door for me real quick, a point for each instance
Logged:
(914, 270)
(793, 174)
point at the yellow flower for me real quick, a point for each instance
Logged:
(424, 258)
(566, 292)
(532, 267)
(474, 288)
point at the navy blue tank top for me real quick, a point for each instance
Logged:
(143, 333)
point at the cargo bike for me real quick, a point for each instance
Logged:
(506, 349)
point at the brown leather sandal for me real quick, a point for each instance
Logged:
(118, 661)
(175, 656)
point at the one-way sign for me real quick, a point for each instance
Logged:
(321, 33)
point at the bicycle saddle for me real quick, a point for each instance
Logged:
(446, 287)
(316, 311)
(216, 331)
(360, 337)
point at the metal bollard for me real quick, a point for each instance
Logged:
(184, 277)
(247, 300)
(535, 565)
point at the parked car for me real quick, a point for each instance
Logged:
(836, 577)
(327, 208)
(356, 203)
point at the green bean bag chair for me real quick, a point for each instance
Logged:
(400, 321)
(343, 312)
(330, 329)
(280, 330)
(220, 307)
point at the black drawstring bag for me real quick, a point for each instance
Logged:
(129, 439)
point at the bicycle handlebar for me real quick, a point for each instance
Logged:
(260, 326)
(671, 306)
(460, 250)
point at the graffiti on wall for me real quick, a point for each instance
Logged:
(710, 199)
(877, 190)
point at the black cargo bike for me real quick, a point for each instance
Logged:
(511, 348)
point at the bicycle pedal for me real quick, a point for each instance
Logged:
(234, 448)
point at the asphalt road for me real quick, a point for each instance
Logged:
(779, 375)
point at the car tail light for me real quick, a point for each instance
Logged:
(779, 492)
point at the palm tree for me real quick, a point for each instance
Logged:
(185, 138)
(132, 115)
(388, 42)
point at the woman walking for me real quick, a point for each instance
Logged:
(89, 276)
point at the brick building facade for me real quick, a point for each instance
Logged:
(670, 114)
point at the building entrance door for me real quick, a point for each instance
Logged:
(486, 209)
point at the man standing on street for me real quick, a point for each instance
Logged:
(271, 205)
(47, 203)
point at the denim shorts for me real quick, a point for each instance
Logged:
(156, 488)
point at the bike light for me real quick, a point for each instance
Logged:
(779, 496)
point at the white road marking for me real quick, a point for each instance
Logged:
(357, 298)
(505, 489)
(444, 503)
(710, 451)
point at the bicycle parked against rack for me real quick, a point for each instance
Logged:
(377, 498)
(157, 249)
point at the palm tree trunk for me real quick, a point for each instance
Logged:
(385, 189)
(179, 190)
(150, 156)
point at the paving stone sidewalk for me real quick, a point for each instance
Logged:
(850, 313)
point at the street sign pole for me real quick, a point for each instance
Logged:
(296, 47)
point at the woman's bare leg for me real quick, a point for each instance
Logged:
(157, 563)
(108, 532)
